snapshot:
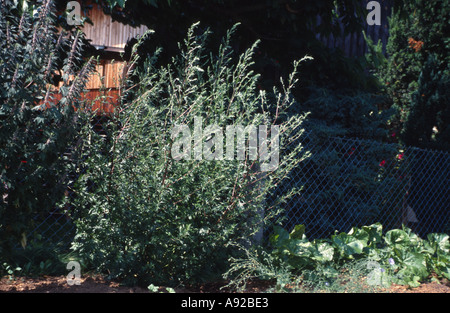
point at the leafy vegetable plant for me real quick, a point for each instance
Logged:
(398, 256)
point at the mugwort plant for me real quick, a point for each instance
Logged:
(170, 198)
(208, 143)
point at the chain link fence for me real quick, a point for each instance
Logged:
(353, 182)
(344, 183)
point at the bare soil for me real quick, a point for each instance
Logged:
(97, 284)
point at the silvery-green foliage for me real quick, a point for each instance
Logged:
(149, 218)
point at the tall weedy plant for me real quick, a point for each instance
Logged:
(36, 128)
(149, 217)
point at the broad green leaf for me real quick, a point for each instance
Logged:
(347, 244)
(413, 238)
(412, 264)
(279, 236)
(411, 276)
(441, 265)
(360, 235)
(355, 247)
(439, 242)
(299, 247)
(414, 281)
(414, 259)
(153, 288)
(375, 232)
(298, 232)
(445, 271)
(325, 252)
(396, 237)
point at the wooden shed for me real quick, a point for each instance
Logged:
(109, 38)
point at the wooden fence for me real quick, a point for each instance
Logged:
(354, 45)
(113, 36)
(108, 34)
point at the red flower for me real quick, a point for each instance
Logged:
(415, 44)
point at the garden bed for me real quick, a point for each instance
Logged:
(97, 284)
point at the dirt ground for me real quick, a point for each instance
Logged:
(97, 284)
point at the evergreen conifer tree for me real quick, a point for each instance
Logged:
(415, 74)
